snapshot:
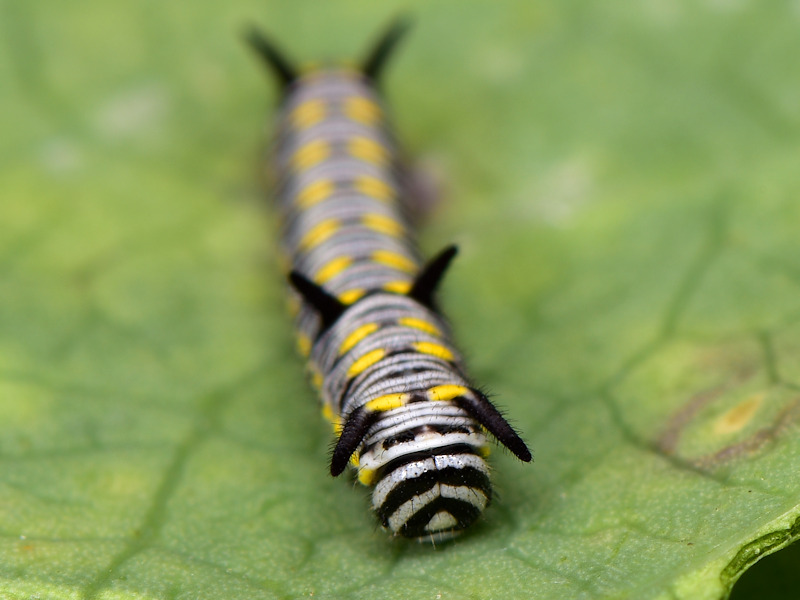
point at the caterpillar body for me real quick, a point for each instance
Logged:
(407, 417)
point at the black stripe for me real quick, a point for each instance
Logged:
(454, 476)
(408, 435)
(464, 513)
(400, 461)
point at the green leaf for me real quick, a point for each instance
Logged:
(623, 182)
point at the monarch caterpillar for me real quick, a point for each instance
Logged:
(391, 382)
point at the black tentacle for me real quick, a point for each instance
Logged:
(281, 67)
(479, 407)
(378, 56)
(431, 275)
(328, 306)
(355, 428)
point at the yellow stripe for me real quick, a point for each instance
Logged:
(366, 476)
(365, 362)
(319, 233)
(303, 344)
(387, 402)
(440, 393)
(419, 324)
(332, 268)
(362, 110)
(394, 260)
(374, 188)
(355, 337)
(307, 114)
(351, 296)
(310, 154)
(397, 287)
(367, 150)
(382, 224)
(327, 412)
(432, 349)
(314, 193)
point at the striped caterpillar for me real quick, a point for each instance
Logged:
(392, 384)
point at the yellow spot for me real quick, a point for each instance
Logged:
(366, 476)
(332, 268)
(293, 304)
(319, 233)
(304, 344)
(327, 412)
(284, 262)
(310, 154)
(394, 260)
(387, 402)
(367, 150)
(355, 337)
(382, 224)
(740, 415)
(397, 287)
(354, 460)
(433, 349)
(315, 193)
(485, 451)
(362, 110)
(316, 381)
(307, 114)
(365, 362)
(419, 324)
(446, 392)
(310, 67)
(374, 188)
(351, 296)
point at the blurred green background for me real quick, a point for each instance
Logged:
(622, 179)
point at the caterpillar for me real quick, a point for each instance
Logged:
(407, 417)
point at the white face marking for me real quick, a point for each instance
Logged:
(407, 510)
(412, 470)
(441, 520)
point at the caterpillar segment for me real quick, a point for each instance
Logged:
(391, 381)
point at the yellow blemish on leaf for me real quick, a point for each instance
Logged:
(387, 402)
(356, 336)
(740, 415)
(365, 362)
